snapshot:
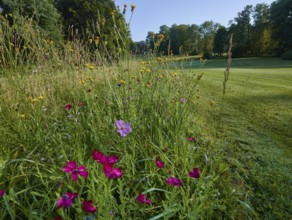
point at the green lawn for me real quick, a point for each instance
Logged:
(255, 119)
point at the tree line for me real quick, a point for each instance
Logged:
(98, 24)
(260, 30)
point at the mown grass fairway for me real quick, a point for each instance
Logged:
(255, 119)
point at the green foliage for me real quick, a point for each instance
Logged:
(220, 43)
(45, 17)
(281, 21)
(208, 30)
(96, 21)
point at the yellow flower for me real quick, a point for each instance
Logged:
(34, 100)
(212, 102)
(21, 115)
(122, 82)
(82, 82)
(133, 8)
(96, 40)
(40, 97)
(159, 59)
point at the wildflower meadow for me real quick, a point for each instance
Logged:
(87, 135)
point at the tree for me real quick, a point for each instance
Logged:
(90, 19)
(208, 30)
(242, 32)
(281, 23)
(42, 12)
(261, 37)
(220, 41)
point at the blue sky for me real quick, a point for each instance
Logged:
(149, 15)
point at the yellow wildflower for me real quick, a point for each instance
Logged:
(21, 115)
(34, 100)
(133, 8)
(122, 82)
(40, 97)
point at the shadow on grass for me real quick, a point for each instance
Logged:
(241, 63)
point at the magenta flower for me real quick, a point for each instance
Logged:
(123, 128)
(2, 192)
(102, 159)
(174, 181)
(71, 168)
(68, 107)
(190, 139)
(182, 100)
(66, 200)
(195, 173)
(159, 164)
(112, 173)
(88, 206)
(142, 199)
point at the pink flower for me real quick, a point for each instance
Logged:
(68, 107)
(195, 173)
(66, 200)
(112, 173)
(142, 199)
(71, 168)
(123, 128)
(159, 164)
(174, 181)
(88, 206)
(2, 192)
(102, 159)
(190, 139)
(182, 100)
(80, 104)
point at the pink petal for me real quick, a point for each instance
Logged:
(174, 181)
(195, 173)
(112, 173)
(159, 164)
(60, 203)
(148, 201)
(99, 157)
(72, 196)
(74, 176)
(2, 192)
(82, 171)
(88, 206)
(112, 159)
(141, 198)
(67, 201)
(71, 166)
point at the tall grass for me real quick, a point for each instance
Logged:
(51, 114)
(39, 136)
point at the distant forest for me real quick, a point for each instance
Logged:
(260, 30)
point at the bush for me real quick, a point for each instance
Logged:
(287, 55)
